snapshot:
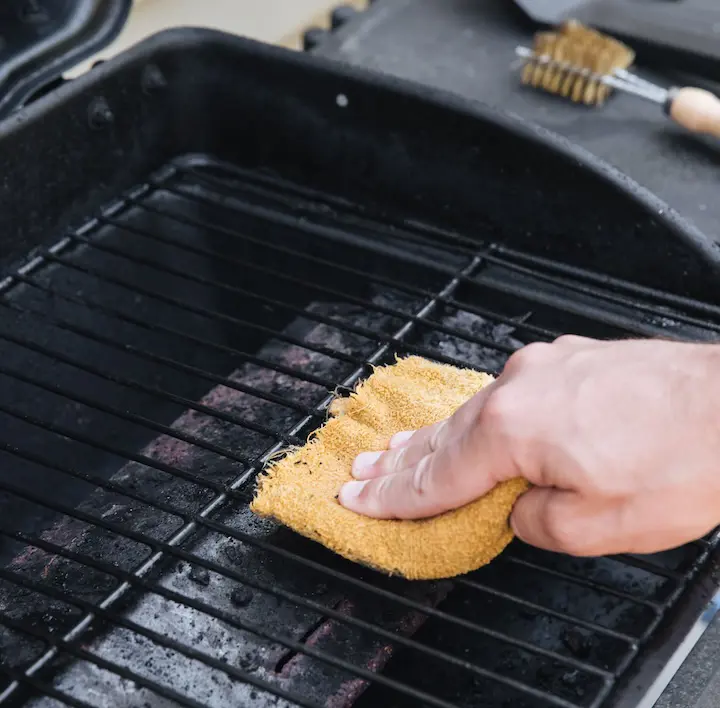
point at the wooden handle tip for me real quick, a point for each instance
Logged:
(697, 110)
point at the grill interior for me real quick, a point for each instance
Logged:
(153, 360)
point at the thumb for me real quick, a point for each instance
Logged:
(563, 521)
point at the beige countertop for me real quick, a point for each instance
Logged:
(275, 21)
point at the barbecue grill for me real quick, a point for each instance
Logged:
(203, 242)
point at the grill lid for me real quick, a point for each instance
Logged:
(41, 39)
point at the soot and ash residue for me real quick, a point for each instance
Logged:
(231, 601)
(264, 659)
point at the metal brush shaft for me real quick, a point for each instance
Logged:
(695, 109)
(633, 79)
(635, 85)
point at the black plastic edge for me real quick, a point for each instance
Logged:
(185, 38)
(94, 24)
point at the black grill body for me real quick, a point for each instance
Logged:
(206, 240)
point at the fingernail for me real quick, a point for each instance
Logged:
(349, 493)
(399, 439)
(364, 462)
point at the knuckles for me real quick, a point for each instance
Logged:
(499, 410)
(377, 494)
(571, 341)
(421, 479)
(393, 460)
(541, 352)
(530, 355)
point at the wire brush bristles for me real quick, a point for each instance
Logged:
(571, 61)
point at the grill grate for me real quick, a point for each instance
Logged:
(155, 359)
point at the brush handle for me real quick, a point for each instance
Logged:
(695, 109)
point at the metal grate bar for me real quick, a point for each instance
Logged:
(452, 242)
(370, 334)
(564, 616)
(705, 308)
(330, 233)
(456, 241)
(289, 643)
(626, 323)
(41, 687)
(104, 447)
(221, 498)
(597, 294)
(123, 415)
(584, 582)
(399, 599)
(156, 544)
(63, 645)
(649, 566)
(108, 311)
(334, 233)
(141, 353)
(200, 310)
(276, 188)
(374, 278)
(279, 275)
(93, 479)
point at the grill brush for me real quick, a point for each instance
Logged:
(585, 66)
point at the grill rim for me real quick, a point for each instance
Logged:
(702, 602)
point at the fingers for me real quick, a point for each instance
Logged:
(502, 432)
(400, 439)
(408, 448)
(446, 479)
(564, 522)
(530, 519)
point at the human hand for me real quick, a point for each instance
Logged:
(620, 440)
